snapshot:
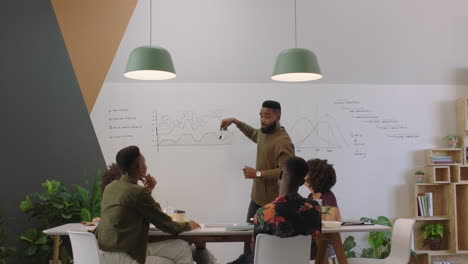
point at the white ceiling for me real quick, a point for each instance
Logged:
(356, 41)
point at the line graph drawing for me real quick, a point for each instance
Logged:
(189, 128)
(322, 133)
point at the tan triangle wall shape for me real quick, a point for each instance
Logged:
(92, 31)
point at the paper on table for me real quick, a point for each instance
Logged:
(239, 228)
(225, 225)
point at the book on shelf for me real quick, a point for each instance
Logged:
(442, 159)
(443, 162)
(430, 210)
(425, 205)
(420, 206)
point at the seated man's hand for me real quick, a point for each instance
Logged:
(194, 225)
(149, 182)
(92, 223)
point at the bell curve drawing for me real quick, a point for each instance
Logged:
(317, 133)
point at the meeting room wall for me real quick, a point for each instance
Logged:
(47, 132)
(373, 134)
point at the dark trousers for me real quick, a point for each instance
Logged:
(253, 207)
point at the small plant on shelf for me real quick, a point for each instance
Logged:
(452, 140)
(433, 234)
(419, 176)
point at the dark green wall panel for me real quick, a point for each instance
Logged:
(46, 131)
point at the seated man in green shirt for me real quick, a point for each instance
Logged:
(128, 209)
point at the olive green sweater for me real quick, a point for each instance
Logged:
(272, 151)
(126, 211)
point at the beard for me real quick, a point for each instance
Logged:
(269, 129)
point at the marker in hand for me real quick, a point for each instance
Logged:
(221, 135)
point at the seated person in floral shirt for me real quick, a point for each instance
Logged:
(290, 214)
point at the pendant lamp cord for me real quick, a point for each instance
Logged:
(295, 23)
(151, 21)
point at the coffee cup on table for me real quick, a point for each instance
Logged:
(179, 215)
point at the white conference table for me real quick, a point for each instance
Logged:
(220, 234)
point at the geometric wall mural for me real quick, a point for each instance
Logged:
(92, 31)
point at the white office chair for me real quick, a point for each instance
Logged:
(401, 245)
(86, 251)
(85, 248)
(276, 250)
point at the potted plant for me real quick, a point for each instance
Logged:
(89, 198)
(452, 140)
(5, 251)
(380, 242)
(419, 176)
(37, 246)
(433, 234)
(57, 205)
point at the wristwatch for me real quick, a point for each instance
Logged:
(258, 174)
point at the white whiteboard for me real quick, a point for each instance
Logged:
(373, 134)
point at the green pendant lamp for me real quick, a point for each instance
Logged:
(150, 62)
(296, 64)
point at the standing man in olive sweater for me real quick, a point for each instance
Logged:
(274, 147)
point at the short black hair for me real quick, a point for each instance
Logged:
(272, 105)
(297, 169)
(126, 158)
(322, 175)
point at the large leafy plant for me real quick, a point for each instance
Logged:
(89, 198)
(53, 207)
(37, 245)
(5, 251)
(379, 242)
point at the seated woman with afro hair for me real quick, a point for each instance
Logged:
(320, 179)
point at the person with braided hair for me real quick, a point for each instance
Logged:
(320, 179)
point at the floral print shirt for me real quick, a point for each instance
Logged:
(288, 216)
